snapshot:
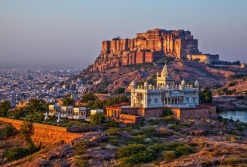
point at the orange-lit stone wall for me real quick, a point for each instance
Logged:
(176, 43)
(45, 134)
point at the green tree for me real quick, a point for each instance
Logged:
(98, 104)
(116, 100)
(4, 108)
(7, 131)
(35, 117)
(80, 147)
(119, 90)
(68, 102)
(97, 119)
(167, 112)
(88, 97)
(206, 96)
(17, 113)
(16, 152)
(112, 123)
(27, 129)
(35, 105)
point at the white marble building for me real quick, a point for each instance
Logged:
(165, 94)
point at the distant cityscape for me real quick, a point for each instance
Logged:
(47, 83)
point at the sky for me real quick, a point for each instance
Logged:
(70, 32)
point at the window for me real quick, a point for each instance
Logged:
(187, 99)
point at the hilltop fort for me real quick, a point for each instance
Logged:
(148, 46)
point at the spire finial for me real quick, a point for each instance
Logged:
(165, 71)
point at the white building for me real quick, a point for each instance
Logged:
(165, 94)
(92, 112)
(66, 111)
(54, 110)
(79, 113)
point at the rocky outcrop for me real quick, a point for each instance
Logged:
(123, 58)
(145, 48)
(113, 78)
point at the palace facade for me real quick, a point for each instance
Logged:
(165, 94)
(151, 100)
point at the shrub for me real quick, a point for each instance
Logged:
(143, 156)
(88, 97)
(154, 121)
(206, 96)
(81, 162)
(18, 152)
(140, 139)
(175, 127)
(97, 119)
(167, 112)
(184, 150)
(68, 101)
(169, 119)
(113, 131)
(162, 132)
(170, 156)
(232, 161)
(232, 84)
(133, 154)
(80, 147)
(119, 90)
(147, 131)
(35, 117)
(177, 150)
(172, 145)
(15, 153)
(241, 128)
(4, 108)
(6, 132)
(26, 129)
(114, 142)
(112, 123)
(16, 114)
(130, 149)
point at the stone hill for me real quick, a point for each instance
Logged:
(113, 78)
(145, 48)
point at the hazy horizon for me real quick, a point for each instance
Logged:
(63, 32)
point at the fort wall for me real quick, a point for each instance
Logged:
(145, 47)
(204, 58)
(198, 112)
(201, 111)
(45, 134)
(177, 43)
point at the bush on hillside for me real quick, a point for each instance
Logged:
(18, 152)
(6, 132)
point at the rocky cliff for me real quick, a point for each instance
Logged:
(145, 48)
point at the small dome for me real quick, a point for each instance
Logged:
(167, 86)
(146, 83)
(133, 83)
(196, 83)
(183, 82)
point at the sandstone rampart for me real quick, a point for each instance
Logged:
(45, 134)
(145, 47)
